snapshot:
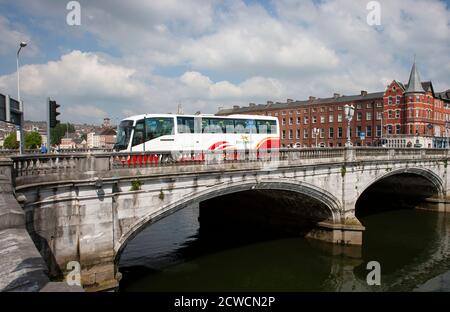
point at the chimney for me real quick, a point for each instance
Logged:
(336, 95)
(269, 103)
(363, 93)
(251, 105)
(235, 107)
(312, 98)
(290, 100)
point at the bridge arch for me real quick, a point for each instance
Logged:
(428, 174)
(428, 183)
(332, 204)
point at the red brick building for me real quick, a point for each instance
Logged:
(399, 115)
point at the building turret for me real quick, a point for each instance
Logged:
(414, 84)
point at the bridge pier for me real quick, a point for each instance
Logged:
(338, 233)
(438, 204)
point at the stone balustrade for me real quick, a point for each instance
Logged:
(78, 166)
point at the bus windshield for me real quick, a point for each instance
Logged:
(124, 134)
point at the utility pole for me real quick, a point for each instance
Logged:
(22, 139)
(49, 136)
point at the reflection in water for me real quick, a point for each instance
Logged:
(412, 246)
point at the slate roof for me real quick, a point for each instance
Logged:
(299, 104)
(414, 84)
(108, 131)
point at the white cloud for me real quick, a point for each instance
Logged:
(86, 111)
(200, 86)
(10, 39)
(74, 79)
(206, 54)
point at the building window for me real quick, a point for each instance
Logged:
(322, 109)
(298, 134)
(322, 133)
(291, 121)
(390, 100)
(339, 108)
(283, 135)
(290, 134)
(330, 109)
(283, 121)
(322, 119)
(397, 100)
(379, 104)
(305, 111)
(417, 98)
(330, 118)
(369, 105)
(358, 131)
(339, 117)
(339, 134)
(417, 113)
(331, 133)
(397, 129)
(298, 120)
(305, 133)
(283, 113)
(369, 116)
(390, 115)
(290, 112)
(389, 129)
(379, 115)
(305, 120)
(359, 116)
(276, 114)
(369, 131)
(397, 113)
(314, 119)
(378, 131)
(358, 106)
(314, 110)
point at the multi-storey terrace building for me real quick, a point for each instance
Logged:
(402, 115)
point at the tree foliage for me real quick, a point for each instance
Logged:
(33, 140)
(11, 141)
(60, 131)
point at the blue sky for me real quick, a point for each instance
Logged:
(130, 57)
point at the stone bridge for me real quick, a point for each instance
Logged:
(86, 207)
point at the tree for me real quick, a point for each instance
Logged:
(11, 141)
(60, 131)
(32, 140)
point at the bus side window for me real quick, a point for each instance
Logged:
(239, 126)
(228, 126)
(267, 126)
(138, 137)
(250, 126)
(185, 124)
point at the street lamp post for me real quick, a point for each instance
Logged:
(22, 139)
(316, 134)
(349, 111)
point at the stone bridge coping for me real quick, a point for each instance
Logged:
(29, 170)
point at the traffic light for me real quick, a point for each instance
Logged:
(53, 113)
(10, 110)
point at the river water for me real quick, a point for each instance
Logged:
(411, 246)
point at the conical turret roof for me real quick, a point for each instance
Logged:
(414, 84)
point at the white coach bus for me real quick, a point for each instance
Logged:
(167, 132)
